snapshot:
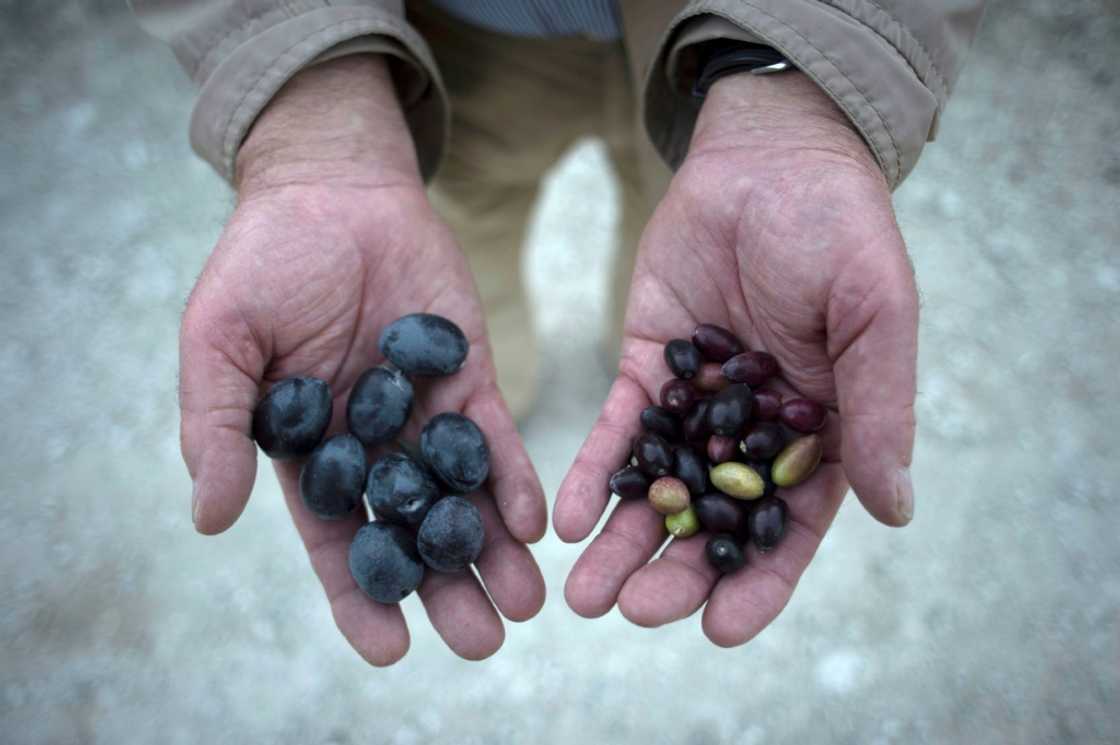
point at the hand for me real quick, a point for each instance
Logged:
(779, 227)
(333, 238)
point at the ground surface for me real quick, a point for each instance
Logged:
(993, 619)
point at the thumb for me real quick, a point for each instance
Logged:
(220, 368)
(873, 342)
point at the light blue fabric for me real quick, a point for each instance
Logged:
(597, 19)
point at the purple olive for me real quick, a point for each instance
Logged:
(719, 513)
(695, 427)
(730, 411)
(629, 483)
(767, 404)
(682, 358)
(655, 457)
(710, 378)
(661, 421)
(691, 469)
(767, 520)
(722, 448)
(752, 368)
(678, 396)
(715, 343)
(763, 441)
(803, 415)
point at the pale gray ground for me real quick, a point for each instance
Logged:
(993, 619)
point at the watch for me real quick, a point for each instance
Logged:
(730, 58)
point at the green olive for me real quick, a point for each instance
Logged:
(683, 524)
(797, 461)
(738, 480)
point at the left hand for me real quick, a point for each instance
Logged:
(779, 227)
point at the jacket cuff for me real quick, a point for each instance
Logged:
(860, 69)
(239, 87)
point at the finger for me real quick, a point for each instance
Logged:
(631, 536)
(584, 494)
(220, 368)
(507, 567)
(514, 483)
(670, 588)
(744, 603)
(377, 632)
(873, 341)
(461, 613)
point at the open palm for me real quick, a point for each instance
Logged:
(302, 282)
(796, 251)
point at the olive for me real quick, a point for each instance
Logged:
(424, 344)
(752, 368)
(724, 554)
(762, 468)
(763, 441)
(661, 420)
(738, 480)
(767, 404)
(629, 483)
(655, 457)
(767, 521)
(694, 426)
(682, 524)
(797, 461)
(385, 563)
(722, 448)
(678, 396)
(803, 415)
(455, 449)
(379, 405)
(691, 469)
(668, 495)
(332, 479)
(400, 490)
(682, 358)
(450, 538)
(290, 421)
(719, 513)
(710, 378)
(715, 343)
(730, 410)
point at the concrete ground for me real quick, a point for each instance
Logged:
(994, 618)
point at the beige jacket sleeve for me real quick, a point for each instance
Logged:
(890, 65)
(241, 53)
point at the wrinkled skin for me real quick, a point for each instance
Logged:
(779, 227)
(330, 242)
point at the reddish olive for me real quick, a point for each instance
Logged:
(717, 344)
(767, 404)
(722, 448)
(752, 368)
(678, 396)
(803, 415)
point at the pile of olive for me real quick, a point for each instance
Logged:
(714, 453)
(406, 490)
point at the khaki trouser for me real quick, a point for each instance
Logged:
(516, 105)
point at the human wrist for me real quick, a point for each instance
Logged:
(784, 113)
(336, 123)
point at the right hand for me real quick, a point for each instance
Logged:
(333, 238)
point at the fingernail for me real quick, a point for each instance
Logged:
(904, 491)
(194, 502)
